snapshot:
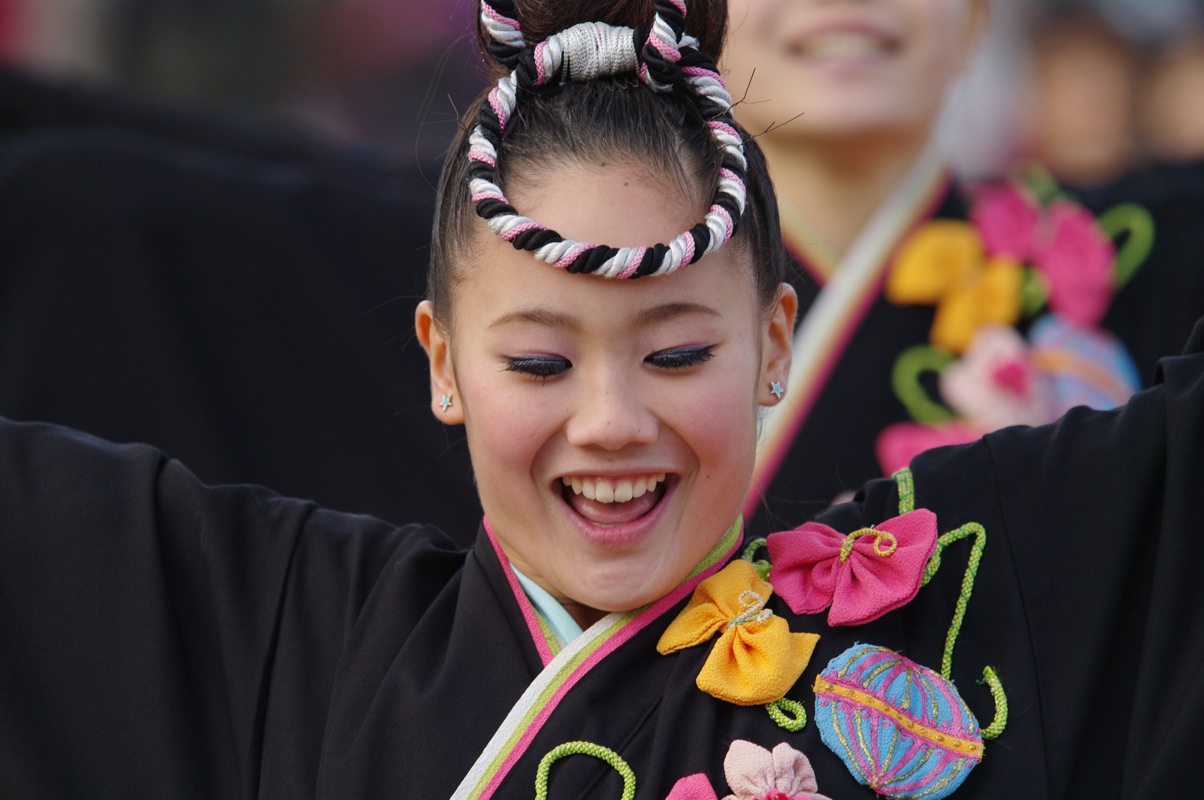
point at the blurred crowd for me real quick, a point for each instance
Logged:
(1089, 89)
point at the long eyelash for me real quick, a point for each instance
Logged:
(681, 357)
(542, 367)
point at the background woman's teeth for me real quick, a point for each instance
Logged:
(587, 489)
(639, 488)
(844, 44)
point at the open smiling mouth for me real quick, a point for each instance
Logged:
(844, 44)
(613, 501)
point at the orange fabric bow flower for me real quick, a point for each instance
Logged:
(756, 659)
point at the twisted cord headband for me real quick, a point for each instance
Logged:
(662, 55)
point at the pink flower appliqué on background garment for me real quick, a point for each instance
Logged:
(898, 444)
(1006, 220)
(861, 575)
(1075, 257)
(996, 384)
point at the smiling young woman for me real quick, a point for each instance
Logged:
(609, 634)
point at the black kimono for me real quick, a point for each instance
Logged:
(166, 639)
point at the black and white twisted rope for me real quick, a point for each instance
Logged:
(663, 56)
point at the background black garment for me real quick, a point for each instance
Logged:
(1154, 313)
(834, 452)
(237, 296)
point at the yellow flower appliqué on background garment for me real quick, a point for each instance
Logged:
(944, 264)
(756, 659)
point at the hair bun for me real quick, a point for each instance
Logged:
(706, 20)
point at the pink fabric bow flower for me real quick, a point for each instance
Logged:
(754, 773)
(861, 575)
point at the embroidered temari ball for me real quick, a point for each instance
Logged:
(899, 727)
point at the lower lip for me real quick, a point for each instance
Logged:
(626, 534)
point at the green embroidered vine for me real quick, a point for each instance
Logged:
(761, 565)
(907, 501)
(980, 541)
(1034, 293)
(789, 715)
(1001, 704)
(585, 749)
(1041, 182)
(906, 486)
(1134, 220)
(905, 377)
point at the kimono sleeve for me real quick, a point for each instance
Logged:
(149, 623)
(1101, 512)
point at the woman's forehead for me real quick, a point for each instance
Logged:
(510, 289)
(621, 203)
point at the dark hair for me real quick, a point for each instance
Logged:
(599, 120)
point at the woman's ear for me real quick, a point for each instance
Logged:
(779, 348)
(445, 403)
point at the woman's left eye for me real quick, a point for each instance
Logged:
(681, 357)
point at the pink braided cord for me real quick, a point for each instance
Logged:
(569, 257)
(629, 270)
(499, 108)
(523, 227)
(497, 16)
(540, 75)
(479, 196)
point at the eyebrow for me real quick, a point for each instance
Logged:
(671, 311)
(649, 316)
(536, 316)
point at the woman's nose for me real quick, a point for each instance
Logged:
(610, 414)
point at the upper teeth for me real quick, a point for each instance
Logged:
(844, 44)
(605, 490)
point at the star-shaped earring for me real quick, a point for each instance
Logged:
(776, 390)
(445, 402)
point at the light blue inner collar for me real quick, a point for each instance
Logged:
(559, 620)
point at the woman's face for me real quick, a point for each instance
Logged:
(849, 67)
(611, 424)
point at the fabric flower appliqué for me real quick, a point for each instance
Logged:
(754, 773)
(1062, 240)
(944, 264)
(861, 575)
(756, 658)
(996, 384)
(1004, 380)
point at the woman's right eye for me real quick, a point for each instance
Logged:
(538, 366)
